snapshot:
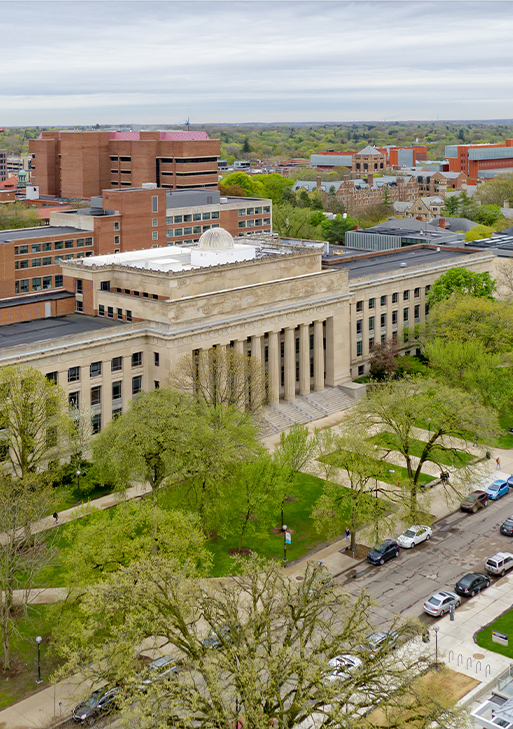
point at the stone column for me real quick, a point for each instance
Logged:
(107, 392)
(318, 356)
(238, 345)
(126, 387)
(290, 364)
(338, 362)
(256, 348)
(304, 359)
(274, 368)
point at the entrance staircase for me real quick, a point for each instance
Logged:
(304, 409)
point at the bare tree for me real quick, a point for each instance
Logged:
(223, 376)
(23, 552)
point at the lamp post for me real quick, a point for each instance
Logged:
(436, 628)
(377, 513)
(284, 530)
(39, 640)
(78, 480)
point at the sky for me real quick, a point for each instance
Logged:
(85, 62)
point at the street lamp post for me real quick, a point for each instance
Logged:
(39, 640)
(78, 481)
(436, 628)
(284, 529)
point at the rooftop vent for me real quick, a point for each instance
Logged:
(403, 264)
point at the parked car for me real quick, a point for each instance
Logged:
(414, 535)
(471, 584)
(507, 527)
(158, 670)
(440, 602)
(474, 501)
(500, 563)
(383, 552)
(99, 702)
(381, 639)
(340, 666)
(499, 488)
(217, 637)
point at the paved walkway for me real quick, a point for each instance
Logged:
(456, 647)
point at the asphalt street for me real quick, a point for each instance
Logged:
(461, 543)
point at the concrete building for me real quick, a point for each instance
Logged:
(3, 165)
(83, 164)
(310, 325)
(400, 234)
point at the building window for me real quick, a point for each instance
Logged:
(361, 370)
(371, 343)
(242, 223)
(47, 282)
(36, 262)
(36, 284)
(80, 242)
(128, 315)
(137, 359)
(74, 374)
(74, 400)
(58, 280)
(96, 423)
(383, 321)
(154, 222)
(95, 369)
(187, 231)
(394, 317)
(116, 225)
(79, 306)
(101, 310)
(154, 235)
(104, 285)
(68, 244)
(89, 241)
(120, 313)
(242, 212)
(116, 240)
(116, 390)
(24, 286)
(116, 364)
(406, 295)
(47, 261)
(116, 412)
(359, 306)
(416, 312)
(96, 395)
(215, 215)
(110, 312)
(59, 245)
(187, 218)
(359, 349)
(383, 301)
(36, 248)
(405, 315)
(428, 288)
(371, 323)
(156, 385)
(79, 286)
(359, 326)
(47, 246)
(24, 263)
(156, 359)
(23, 249)
(136, 384)
(205, 216)
(416, 293)
(154, 204)
(52, 377)
(371, 303)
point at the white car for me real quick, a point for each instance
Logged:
(414, 535)
(340, 666)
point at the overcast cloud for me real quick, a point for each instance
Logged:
(122, 61)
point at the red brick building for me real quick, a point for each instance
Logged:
(480, 161)
(83, 164)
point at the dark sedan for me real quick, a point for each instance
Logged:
(474, 501)
(99, 702)
(507, 527)
(383, 552)
(471, 584)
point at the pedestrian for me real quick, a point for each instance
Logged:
(498, 462)
(348, 534)
(56, 517)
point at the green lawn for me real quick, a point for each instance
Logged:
(504, 624)
(457, 459)
(39, 620)
(390, 475)
(503, 440)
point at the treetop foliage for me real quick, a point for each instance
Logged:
(462, 282)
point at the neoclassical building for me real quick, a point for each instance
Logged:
(310, 323)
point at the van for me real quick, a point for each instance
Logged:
(500, 563)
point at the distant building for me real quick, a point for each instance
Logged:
(480, 161)
(3, 164)
(83, 164)
(399, 234)
(356, 194)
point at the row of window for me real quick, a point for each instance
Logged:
(192, 230)
(252, 223)
(254, 211)
(115, 158)
(109, 312)
(191, 217)
(395, 298)
(58, 245)
(359, 343)
(48, 260)
(383, 319)
(40, 283)
(95, 368)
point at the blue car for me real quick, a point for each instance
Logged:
(499, 488)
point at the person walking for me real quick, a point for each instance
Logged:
(498, 462)
(56, 517)
(348, 534)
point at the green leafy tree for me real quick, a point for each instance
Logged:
(451, 206)
(488, 214)
(274, 186)
(16, 215)
(497, 191)
(335, 230)
(397, 407)
(295, 222)
(478, 232)
(296, 452)
(462, 281)
(115, 538)
(304, 199)
(34, 420)
(251, 185)
(274, 639)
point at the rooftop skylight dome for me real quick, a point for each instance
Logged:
(216, 239)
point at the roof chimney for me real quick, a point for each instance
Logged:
(441, 222)
(319, 183)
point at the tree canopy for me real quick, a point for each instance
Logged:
(464, 282)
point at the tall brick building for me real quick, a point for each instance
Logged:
(83, 164)
(480, 161)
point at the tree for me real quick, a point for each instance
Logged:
(223, 376)
(464, 318)
(295, 222)
(23, 551)
(497, 191)
(451, 206)
(148, 441)
(478, 232)
(304, 199)
(349, 504)
(115, 538)
(34, 420)
(273, 640)
(246, 147)
(398, 407)
(383, 359)
(488, 214)
(275, 186)
(335, 230)
(464, 282)
(251, 185)
(16, 215)
(296, 452)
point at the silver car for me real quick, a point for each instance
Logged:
(440, 602)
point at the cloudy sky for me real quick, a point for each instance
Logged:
(140, 61)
